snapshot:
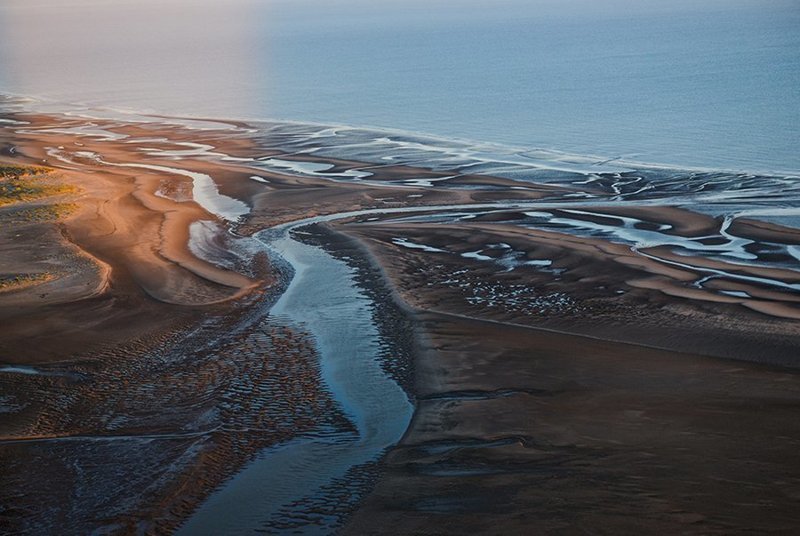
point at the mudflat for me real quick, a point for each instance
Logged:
(579, 355)
(524, 425)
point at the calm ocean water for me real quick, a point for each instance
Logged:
(706, 84)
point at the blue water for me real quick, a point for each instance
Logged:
(323, 300)
(714, 85)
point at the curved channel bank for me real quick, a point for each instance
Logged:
(324, 300)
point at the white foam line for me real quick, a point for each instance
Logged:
(204, 191)
(453, 147)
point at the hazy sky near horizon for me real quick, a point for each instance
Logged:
(101, 51)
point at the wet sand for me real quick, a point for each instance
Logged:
(586, 286)
(163, 383)
(627, 365)
(129, 244)
(521, 431)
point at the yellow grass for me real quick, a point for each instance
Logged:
(20, 281)
(20, 184)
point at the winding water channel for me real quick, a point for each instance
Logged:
(324, 300)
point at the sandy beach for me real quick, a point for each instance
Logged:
(574, 360)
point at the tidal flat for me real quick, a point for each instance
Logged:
(265, 326)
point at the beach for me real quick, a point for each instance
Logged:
(568, 347)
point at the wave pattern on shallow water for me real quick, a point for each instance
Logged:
(589, 177)
(344, 154)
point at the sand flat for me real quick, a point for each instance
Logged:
(573, 361)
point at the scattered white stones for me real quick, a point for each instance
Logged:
(517, 298)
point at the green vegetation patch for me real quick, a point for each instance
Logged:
(19, 281)
(13, 172)
(19, 184)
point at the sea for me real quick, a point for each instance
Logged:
(703, 84)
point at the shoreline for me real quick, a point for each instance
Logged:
(502, 326)
(511, 149)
